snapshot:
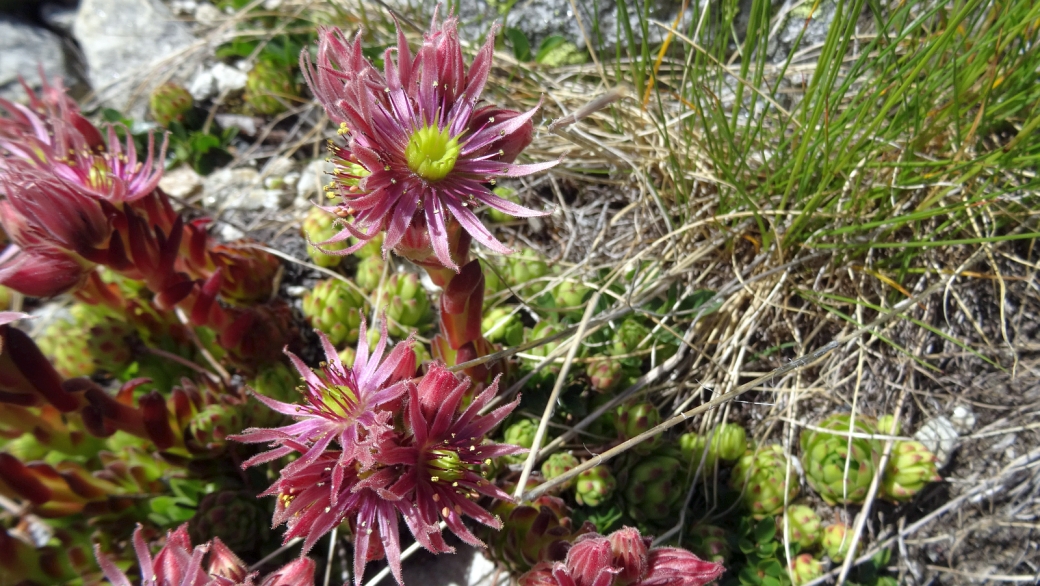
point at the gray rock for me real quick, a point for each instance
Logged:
(313, 178)
(540, 19)
(127, 44)
(182, 182)
(217, 79)
(24, 49)
(241, 189)
(58, 15)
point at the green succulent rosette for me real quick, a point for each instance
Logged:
(595, 486)
(910, 467)
(628, 336)
(408, 305)
(319, 226)
(838, 467)
(210, 427)
(277, 381)
(336, 309)
(170, 102)
(370, 273)
(520, 433)
(653, 489)
(571, 295)
(541, 531)
(238, 518)
(805, 568)
(761, 475)
(605, 375)
(373, 247)
(67, 346)
(709, 542)
(522, 271)
(889, 425)
(556, 465)
(729, 441)
(634, 419)
(836, 541)
(803, 526)
(543, 329)
(270, 87)
(508, 194)
(502, 325)
(694, 448)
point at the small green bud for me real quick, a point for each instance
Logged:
(729, 441)
(319, 226)
(557, 464)
(605, 375)
(503, 326)
(628, 336)
(595, 486)
(370, 273)
(170, 102)
(269, 87)
(336, 309)
(803, 526)
(508, 194)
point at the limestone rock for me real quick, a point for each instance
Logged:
(125, 44)
(24, 49)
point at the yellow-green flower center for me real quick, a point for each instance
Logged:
(340, 400)
(99, 175)
(431, 153)
(445, 466)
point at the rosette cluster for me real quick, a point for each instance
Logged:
(422, 150)
(359, 464)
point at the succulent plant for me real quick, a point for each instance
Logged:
(634, 419)
(910, 467)
(805, 568)
(336, 309)
(210, 427)
(557, 464)
(269, 86)
(694, 448)
(6, 295)
(627, 337)
(595, 486)
(728, 441)
(170, 102)
(653, 491)
(803, 526)
(108, 342)
(542, 329)
(373, 247)
(838, 467)
(605, 375)
(67, 346)
(539, 532)
(508, 194)
(889, 425)
(503, 326)
(319, 226)
(572, 295)
(409, 305)
(522, 270)
(238, 518)
(347, 356)
(370, 273)
(763, 471)
(520, 433)
(709, 542)
(277, 381)
(836, 541)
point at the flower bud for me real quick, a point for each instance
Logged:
(630, 551)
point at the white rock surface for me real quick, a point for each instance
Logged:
(312, 179)
(25, 48)
(241, 189)
(181, 182)
(217, 79)
(940, 436)
(125, 43)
